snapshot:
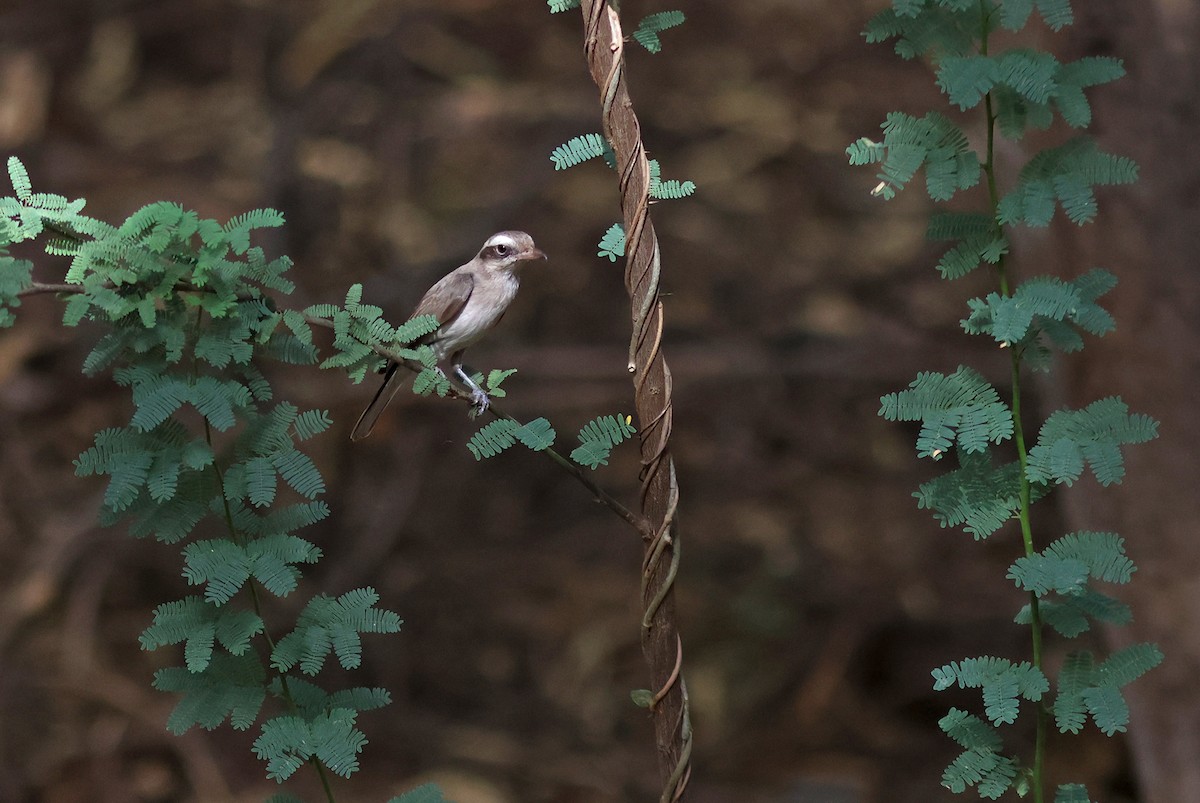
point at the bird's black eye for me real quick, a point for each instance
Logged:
(502, 250)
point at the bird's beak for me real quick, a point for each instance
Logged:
(534, 253)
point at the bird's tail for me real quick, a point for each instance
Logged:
(393, 380)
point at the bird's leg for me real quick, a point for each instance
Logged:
(479, 399)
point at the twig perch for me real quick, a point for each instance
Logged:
(661, 644)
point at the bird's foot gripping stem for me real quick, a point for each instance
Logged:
(480, 401)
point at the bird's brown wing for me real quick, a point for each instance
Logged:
(446, 299)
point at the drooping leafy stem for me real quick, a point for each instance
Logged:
(252, 584)
(188, 317)
(1015, 355)
(1018, 89)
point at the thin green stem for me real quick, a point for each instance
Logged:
(252, 585)
(1035, 617)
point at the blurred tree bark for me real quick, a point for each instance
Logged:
(1149, 236)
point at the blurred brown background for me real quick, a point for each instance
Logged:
(814, 597)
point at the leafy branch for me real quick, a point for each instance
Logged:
(1017, 90)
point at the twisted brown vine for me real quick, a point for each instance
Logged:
(662, 647)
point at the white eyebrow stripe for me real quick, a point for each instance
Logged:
(498, 239)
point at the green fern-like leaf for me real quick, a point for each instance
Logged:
(1002, 681)
(416, 328)
(196, 624)
(19, 176)
(1064, 176)
(578, 150)
(333, 625)
(493, 438)
(1077, 675)
(909, 143)
(1077, 75)
(1108, 708)
(598, 437)
(978, 496)
(1070, 615)
(1102, 553)
(222, 565)
(312, 423)
(1093, 436)
(1042, 574)
(960, 407)
(1129, 663)
(919, 28)
(980, 764)
(966, 79)
(651, 26)
(1089, 689)
(311, 700)
(299, 472)
(535, 435)
(230, 687)
(671, 190)
(970, 731)
(558, 6)
(1072, 793)
(1056, 13)
(426, 793)
(612, 244)
(238, 228)
(495, 379)
(288, 742)
(980, 240)
(260, 481)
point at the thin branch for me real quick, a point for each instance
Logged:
(37, 288)
(599, 494)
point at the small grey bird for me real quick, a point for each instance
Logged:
(468, 301)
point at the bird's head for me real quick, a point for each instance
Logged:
(507, 250)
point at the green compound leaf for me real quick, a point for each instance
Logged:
(599, 436)
(909, 143)
(493, 438)
(612, 244)
(299, 472)
(287, 742)
(1064, 176)
(230, 687)
(1042, 574)
(948, 28)
(1072, 793)
(333, 625)
(649, 28)
(960, 407)
(1071, 439)
(980, 764)
(578, 150)
(1070, 615)
(979, 240)
(1086, 688)
(426, 793)
(498, 435)
(970, 731)
(1064, 567)
(979, 496)
(1001, 680)
(536, 435)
